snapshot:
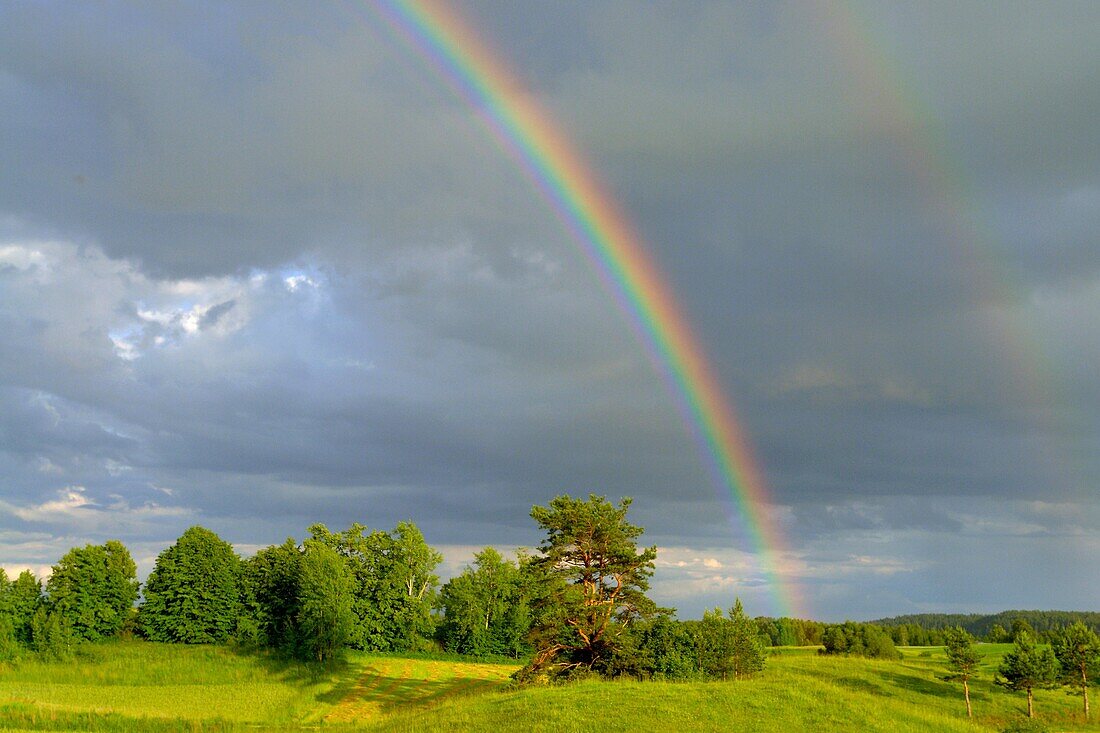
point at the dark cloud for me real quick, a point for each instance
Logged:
(260, 267)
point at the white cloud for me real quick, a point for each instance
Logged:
(93, 305)
(73, 508)
(23, 257)
(70, 501)
(296, 282)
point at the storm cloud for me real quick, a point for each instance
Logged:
(259, 267)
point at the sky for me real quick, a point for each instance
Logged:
(261, 267)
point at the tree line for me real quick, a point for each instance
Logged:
(576, 605)
(997, 628)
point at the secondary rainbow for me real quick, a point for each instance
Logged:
(968, 237)
(594, 220)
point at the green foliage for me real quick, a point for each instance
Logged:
(193, 594)
(963, 660)
(730, 646)
(859, 640)
(671, 647)
(962, 657)
(597, 583)
(790, 631)
(394, 585)
(93, 588)
(51, 636)
(1042, 625)
(1028, 667)
(1077, 650)
(747, 650)
(485, 608)
(9, 647)
(1021, 626)
(270, 594)
(26, 597)
(324, 602)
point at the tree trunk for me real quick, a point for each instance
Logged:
(966, 692)
(1030, 706)
(1085, 689)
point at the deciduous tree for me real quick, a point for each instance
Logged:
(26, 597)
(94, 588)
(270, 579)
(484, 607)
(394, 584)
(193, 594)
(325, 593)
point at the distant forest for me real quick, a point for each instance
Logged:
(995, 627)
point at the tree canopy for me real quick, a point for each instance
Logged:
(324, 601)
(394, 584)
(1077, 650)
(1028, 667)
(94, 587)
(597, 580)
(193, 593)
(962, 661)
(486, 608)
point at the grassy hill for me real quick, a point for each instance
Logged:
(136, 686)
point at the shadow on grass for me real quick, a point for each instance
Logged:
(376, 692)
(857, 684)
(287, 668)
(923, 685)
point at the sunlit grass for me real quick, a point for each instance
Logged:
(800, 691)
(135, 686)
(147, 680)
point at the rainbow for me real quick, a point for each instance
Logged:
(967, 237)
(594, 220)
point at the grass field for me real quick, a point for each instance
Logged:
(136, 686)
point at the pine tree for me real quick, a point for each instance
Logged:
(747, 654)
(1028, 667)
(962, 660)
(596, 583)
(1077, 650)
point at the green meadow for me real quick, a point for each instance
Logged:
(142, 686)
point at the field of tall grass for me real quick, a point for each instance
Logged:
(139, 686)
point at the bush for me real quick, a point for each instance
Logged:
(51, 637)
(9, 647)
